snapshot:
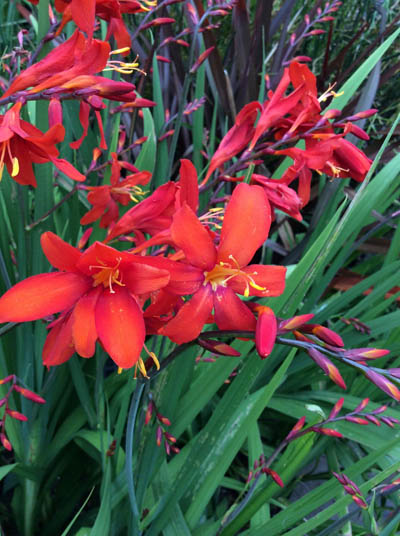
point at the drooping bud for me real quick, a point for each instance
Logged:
(296, 428)
(379, 410)
(159, 435)
(373, 419)
(325, 334)
(201, 59)
(7, 379)
(362, 405)
(327, 366)
(5, 442)
(55, 113)
(293, 323)
(84, 238)
(326, 431)
(383, 383)
(16, 415)
(29, 394)
(332, 113)
(163, 419)
(362, 115)
(170, 437)
(274, 475)
(149, 413)
(336, 409)
(356, 420)
(315, 32)
(359, 354)
(218, 347)
(266, 330)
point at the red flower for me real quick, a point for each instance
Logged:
(77, 56)
(154, 214)
(83, 12)
(22, 144)
(279, 195)
(105, 198)
(96, 294)
(334, 156)
(224, 270)
(236, 139)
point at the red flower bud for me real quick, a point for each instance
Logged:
(29, 394)
(336, 409)
(274, 475)
(16, 415)
(4, 441)
(266, 330)
(356, 420)
(327, 366)
(294, 323)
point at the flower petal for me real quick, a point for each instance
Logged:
(58, 346)
(270, 277)
(83, 323)
(189, 186)
(191, 317)
(184, 278)
(61, 255)
(42, 295)
(143, 278)
(120, 326)
(246, 224)
(190, 236)
(230, 312)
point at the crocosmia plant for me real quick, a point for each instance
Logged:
(199, 259)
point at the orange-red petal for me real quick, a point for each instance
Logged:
(246, 224)
(120, 326)
(190, 236)
(84, 332)
(42, 295)
(61, 255)
(142, 278)
(269, 277)
(58, 346)
(189, 186)
(230, 312)
(190, 319)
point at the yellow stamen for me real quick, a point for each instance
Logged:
(123, 66)
(141, 366)
(223, 272)
(15, 167)
(107, 275)
(120, 50)
(336, 169)
(330, 93)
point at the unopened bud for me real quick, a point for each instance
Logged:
(29, 394)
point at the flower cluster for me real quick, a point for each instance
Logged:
(178, 268)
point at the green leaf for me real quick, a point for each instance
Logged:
(5, 469)
(147, 156)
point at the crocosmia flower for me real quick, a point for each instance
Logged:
(22, 144)
(225, 270)
(96, 293)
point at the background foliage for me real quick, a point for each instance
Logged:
(343, 261)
